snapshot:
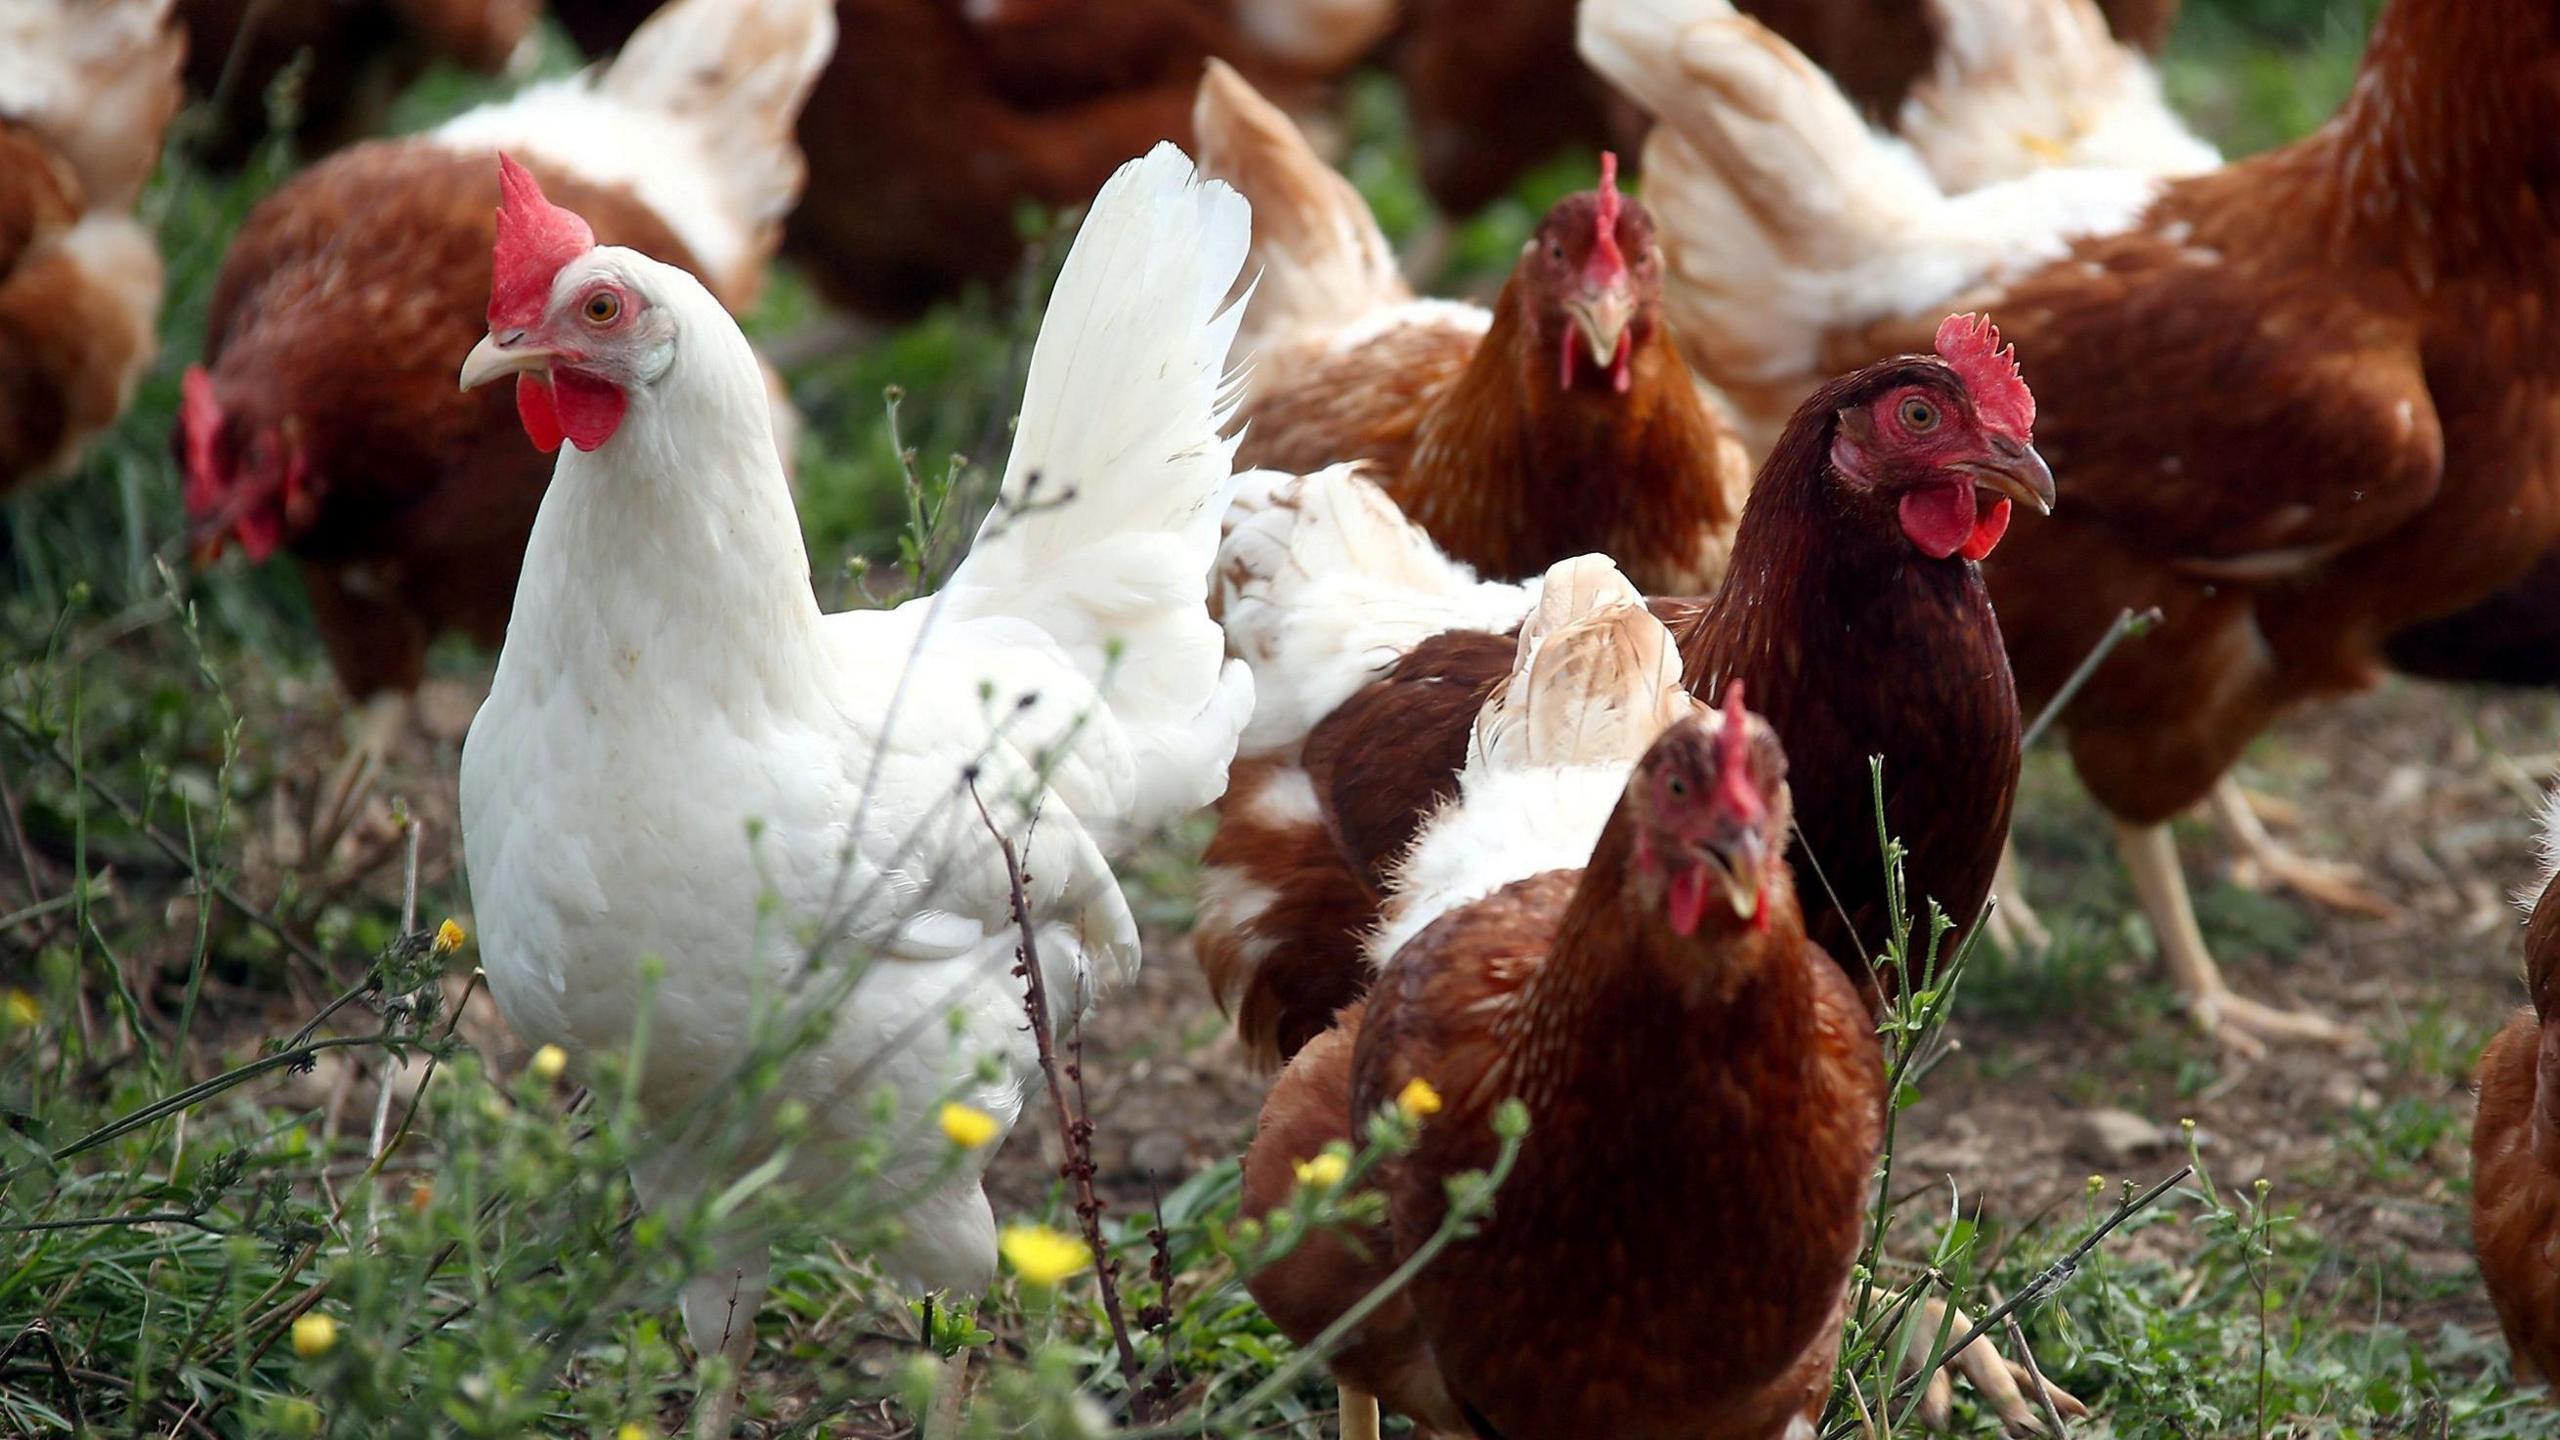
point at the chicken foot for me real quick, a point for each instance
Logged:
(2001, 1383)
(2243, 1025)
(342, 794)
(2267, 863)
(2015, 927)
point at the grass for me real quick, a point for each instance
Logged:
(257, 1178)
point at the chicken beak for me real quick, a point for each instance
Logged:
(500, 355)
(1602, 315)
(1742, 863)
(2015, 469)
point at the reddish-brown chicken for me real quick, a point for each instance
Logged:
(940, 123)
(85, 92)
(2301, 403)
(1853, 608)
(353, 60)
(1564, 421)
(325, 420)
(1695, 1071)
(2515, 1148)
(1494, 86)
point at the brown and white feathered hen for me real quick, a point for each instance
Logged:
(85, 92)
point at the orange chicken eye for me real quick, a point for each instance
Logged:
(603, 308)
(1918, 416)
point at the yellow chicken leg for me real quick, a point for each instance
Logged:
(2267, 863)
(2151, 855)
(1359, 1414)
(2014, 925)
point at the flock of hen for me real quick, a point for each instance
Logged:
(1463, 663)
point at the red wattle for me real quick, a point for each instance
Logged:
(1688, 899)
(1940, 519)
(1622, 370)
(590, 409)
(541, 418)
(1564, 377)
(1987, 531)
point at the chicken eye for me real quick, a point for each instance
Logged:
(1678, 787)
(1555, 251)
(1918, 415)
(603, 308)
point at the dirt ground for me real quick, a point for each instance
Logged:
(2431, 791)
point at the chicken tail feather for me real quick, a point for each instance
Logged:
(1108, 520)
(1321, 259)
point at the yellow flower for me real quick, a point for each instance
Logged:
(314, 1335)
(1418, 1100)
(1042, 1256)
(632, 1430)
(449, 937)
(967, 1126)
(548, 1062)
(1325, 1171)
(20, 1007)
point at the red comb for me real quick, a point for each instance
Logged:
(1607, 262)
(1971, 345)
(535, 238)
(1734, 787)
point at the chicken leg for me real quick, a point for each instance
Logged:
(2267, 863)
(2014, 925)
(1998, 1381)
(2151, 855)
(1359, 1414)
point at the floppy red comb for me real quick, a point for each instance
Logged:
(1606, 259)
(1971, 345)
(200, 425)
(1733, 757)
(535, 238)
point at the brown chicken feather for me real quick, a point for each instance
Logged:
(2515, 1157)
(1825, 598)
(1678, 1085)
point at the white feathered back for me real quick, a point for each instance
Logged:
(99, 80)
(1595, 681)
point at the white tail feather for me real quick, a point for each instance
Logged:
(2027, 85)
(1322, 583)
(1787, 220)
(1105, 528)
(695, 116)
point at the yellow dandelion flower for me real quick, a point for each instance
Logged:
(449, 937)
(1418, 1100)
(1327, 1170)
(314, 1335)
(967, 1126)
(631, 1430)
(548, 1062)
(20, 1007)
(1042, 1256)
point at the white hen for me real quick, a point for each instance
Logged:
(676, 733)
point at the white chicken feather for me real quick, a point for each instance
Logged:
(682, 758)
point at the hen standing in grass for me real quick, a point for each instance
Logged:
(682, 759)
(1562, 422)
(2515, 1143)
(324, 421)
(1625, 956)
(1853, 607)
(85, 91)
(2302, 403)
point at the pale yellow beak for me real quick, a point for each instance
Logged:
(1602, 317)
(495, 356)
